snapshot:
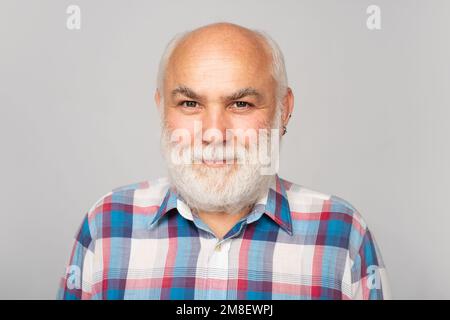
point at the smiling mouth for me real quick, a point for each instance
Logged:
(218, 163)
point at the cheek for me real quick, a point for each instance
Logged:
(174, 120)
(182, 128)
(246, 123)
(254, 121)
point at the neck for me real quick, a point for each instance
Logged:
(221, 222)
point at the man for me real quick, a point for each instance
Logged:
(223, 225)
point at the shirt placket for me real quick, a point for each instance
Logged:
(218, 269)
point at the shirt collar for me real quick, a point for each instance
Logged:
(275, 203)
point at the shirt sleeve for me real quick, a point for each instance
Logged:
(368, 272)
(77, 281)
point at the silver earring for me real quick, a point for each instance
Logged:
(284, 130)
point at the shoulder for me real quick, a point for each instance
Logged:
(115, 210)
(307, 200)
(335, 219)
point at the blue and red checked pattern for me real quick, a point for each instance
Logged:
(141, 241)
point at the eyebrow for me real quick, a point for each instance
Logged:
(185, 91)
(241, 93)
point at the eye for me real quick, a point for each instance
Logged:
(188, 104)
(242, 104)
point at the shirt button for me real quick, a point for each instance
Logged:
(218, 247)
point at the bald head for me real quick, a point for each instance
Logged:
(226, 41)
(227, 38)
(225, 33)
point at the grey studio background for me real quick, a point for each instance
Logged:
(370, 122)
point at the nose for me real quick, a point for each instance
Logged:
(214, 123)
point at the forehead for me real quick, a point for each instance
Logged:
(219, 65)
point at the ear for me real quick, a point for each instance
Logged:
(288, 106)
(157, 98)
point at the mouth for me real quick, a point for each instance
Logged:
(219, 163)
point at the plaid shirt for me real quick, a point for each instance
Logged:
(141, 241)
